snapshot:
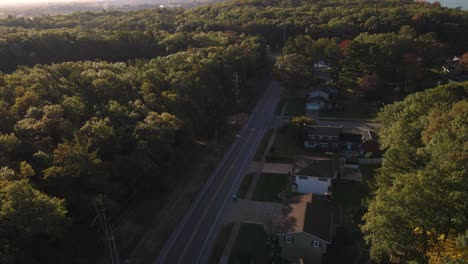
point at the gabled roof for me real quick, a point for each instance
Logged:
(315, 215)
(350, 137)
(321, 217)
(324, 130)
(313, 166)
(370, 135)
(316, 99)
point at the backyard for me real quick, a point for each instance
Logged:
(348, 245)
(251, 246)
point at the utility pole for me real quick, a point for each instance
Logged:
(107, 229)
(236, 91)
(267, 51)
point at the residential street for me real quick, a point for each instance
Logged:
(355, 126)
(192, 238)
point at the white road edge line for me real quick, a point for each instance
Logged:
(254, 147)
(175, 235)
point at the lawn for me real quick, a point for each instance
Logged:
(271, 187)
(352, 109)
(251, 246)
(244, 187)
(295, 106)
(287, 145)
(220, 244)
(263, 145)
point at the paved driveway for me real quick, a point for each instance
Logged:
(277, 168)
(247, 211)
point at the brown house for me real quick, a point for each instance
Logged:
(371, 144)
(307, 227)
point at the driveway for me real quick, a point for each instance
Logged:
(278, 168)
(248, 211)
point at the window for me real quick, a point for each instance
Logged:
(288, 239)
(323, 179)
(316, 243)
(303, 177)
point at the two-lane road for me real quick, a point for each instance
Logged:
(192, 238)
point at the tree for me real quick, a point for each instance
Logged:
(421, 190)
(27, 216)
(295, 70)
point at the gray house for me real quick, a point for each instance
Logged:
(307, 228)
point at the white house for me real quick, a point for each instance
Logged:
(314, 174)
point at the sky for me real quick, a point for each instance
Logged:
(11, 2)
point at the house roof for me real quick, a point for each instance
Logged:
(370, 135)
(321, 217)
(313, 166)
(350, 137)
(316, 99)
(324, 130)
(315, 215)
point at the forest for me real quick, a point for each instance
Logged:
(98, 106)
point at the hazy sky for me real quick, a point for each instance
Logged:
(36, 1)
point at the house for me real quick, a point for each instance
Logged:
(314, 174)
(350, 144)
(316, 104)
(371, 144)
(306, 228)
(326, 138)
(318, 92)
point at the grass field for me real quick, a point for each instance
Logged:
(251, 246)
(353, 109)
(270, 187)
(295, 106)
(287, 145)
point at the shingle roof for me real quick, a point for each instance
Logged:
(321, 217)
(313, 166)
(315, 215)
(370, 135)
(324, 130)
(350, 137)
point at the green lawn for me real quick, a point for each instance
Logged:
(295, 107)
(353, 108)
(271, 187)
(263, 144)
(220, 244)
(287, 145)
(251, 246)
(244, 187)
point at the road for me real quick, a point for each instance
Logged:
(352, 125)
(193, 237)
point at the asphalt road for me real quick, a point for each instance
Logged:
(352, 125)
(193, 237)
